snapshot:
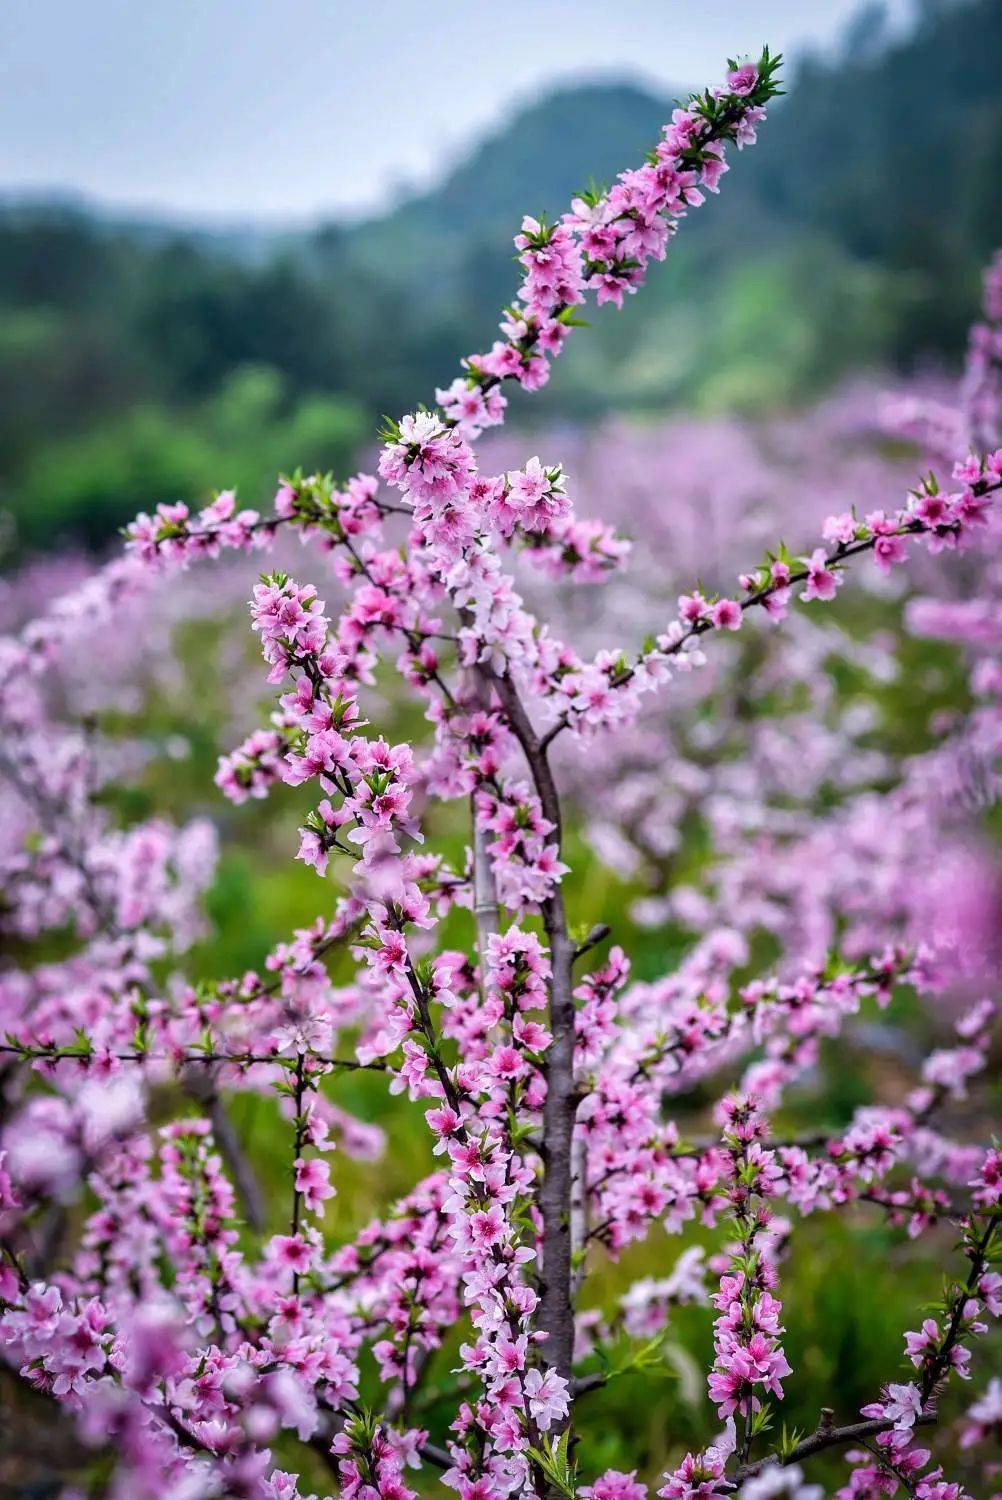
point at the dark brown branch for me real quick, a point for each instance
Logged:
(586, 1383)
(979, 1251)
(598, 934)
(201, 1085)
(825, 1436)
(828, 1436)
(52, 1053)
(486, 914)
(433, 1454)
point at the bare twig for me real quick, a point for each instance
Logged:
(597, 935)
(824, 1436)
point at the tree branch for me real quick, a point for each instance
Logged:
(201, 1085)
(556, 1315)
(485, 896)
(824, 1436)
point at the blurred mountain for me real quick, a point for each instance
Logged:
(141, 358)
(546, 152)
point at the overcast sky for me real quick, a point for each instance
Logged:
(287, 108)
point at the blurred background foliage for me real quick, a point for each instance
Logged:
(142, 361)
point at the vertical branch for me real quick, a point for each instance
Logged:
(580, 1225)
(485, 899)
(299, 1136)
(556, 1314)
(485, 896)
(200, 1083)
(556, 1309)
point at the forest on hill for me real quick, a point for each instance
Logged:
(146, 361)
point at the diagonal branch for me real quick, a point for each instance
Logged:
(825, 1436)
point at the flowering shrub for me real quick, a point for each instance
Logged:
(194, 1332)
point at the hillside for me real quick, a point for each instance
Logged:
(854, 232)
(138, 360)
